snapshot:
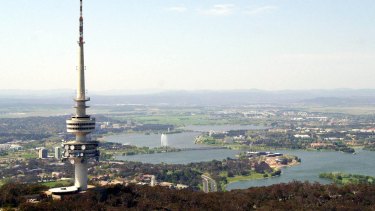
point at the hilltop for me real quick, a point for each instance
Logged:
(292, 196)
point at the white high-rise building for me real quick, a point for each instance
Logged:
(58, 153)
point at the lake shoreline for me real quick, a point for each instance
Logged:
(314, 161)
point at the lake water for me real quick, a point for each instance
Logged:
(183, 157)
(314, 163)
(176, 140)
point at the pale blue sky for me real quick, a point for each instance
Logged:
(205, 44)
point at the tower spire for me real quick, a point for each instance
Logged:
(81, 62)
(81, 23)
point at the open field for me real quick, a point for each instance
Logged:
(358, 110)
(253, 175)
(22, 111)
(177, 120)
(24, 154)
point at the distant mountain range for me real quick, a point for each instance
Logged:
(199, 98)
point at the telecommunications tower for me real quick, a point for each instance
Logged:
(82, 149)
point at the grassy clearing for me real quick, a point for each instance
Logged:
(29, 155)
(344, 179)
(252, 176)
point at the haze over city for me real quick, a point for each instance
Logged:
(190, 45)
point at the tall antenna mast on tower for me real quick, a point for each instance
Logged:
(81, 23)
(81, 92)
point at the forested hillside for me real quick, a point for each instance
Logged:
(292, 196)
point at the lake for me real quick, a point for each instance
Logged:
(314, 163)
(183, 157)
(177, 140)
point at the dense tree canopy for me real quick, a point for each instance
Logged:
(292, 196)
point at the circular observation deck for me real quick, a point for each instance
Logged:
(83, 124)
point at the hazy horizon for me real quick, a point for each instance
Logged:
(52, 90)
(348, 97)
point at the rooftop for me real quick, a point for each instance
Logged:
(63, 190)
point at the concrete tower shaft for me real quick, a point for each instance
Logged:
(80, 150)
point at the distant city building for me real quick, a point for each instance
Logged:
(4, 147)
(57, 175)
(181, 186)
(58, 153)
(43, 153)
(153, 181)
(15, 147)
(116, 126)
(303, 136)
